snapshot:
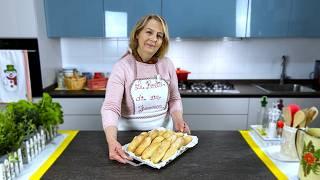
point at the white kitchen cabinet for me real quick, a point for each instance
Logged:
(201, 113)
(216, 122)
(254, 106)
(81, 113)
(82, 122)
(216, 113)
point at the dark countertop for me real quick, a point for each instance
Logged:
(246, 87)
(218, 155)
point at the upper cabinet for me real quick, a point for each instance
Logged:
(304, 21)
(206, 18)
(74, 18)
(133, 10)
(185, 18)
(268, 18)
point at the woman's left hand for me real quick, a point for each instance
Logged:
(182, 126)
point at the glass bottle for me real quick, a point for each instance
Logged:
(60, 79)
(274, 114)
(263, 113)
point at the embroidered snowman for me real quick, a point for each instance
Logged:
(10, 78)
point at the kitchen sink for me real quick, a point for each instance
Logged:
(284, 88)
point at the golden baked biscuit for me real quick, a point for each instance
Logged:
(187, 140)
(159, 153)
(175, 146)
(179, 134)
(161, 132)
(171, 151)
(168, 133)
(144, 134)
(147, 153)
(145, 143)
(153, 134)
(157, 139)
(172, 138)
(178, 143)
(136, 142)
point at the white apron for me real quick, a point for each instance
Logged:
(150, 102)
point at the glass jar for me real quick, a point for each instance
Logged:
(60, 79)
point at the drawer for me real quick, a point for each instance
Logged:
(215, 105)
(216, 122)
(78, 106)
(83, 122)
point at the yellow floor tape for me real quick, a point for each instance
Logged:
(54, 156)
(272, 167)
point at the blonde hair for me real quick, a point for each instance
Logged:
(140, 25)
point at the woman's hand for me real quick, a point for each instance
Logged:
(182, 126)
(116, 152)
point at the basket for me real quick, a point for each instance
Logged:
(98, 83)
(75, 83)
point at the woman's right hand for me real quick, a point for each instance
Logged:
(116, 152)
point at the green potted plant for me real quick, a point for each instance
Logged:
(25, 115)
(11, 136)
(50, 115)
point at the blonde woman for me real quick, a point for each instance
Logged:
(142, 91)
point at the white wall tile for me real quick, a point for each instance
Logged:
(109, 48)
(123, 46)
(81, 47)
(214, 59)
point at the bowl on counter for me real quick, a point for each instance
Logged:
(182, 74)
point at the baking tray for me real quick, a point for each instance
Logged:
(162, 163)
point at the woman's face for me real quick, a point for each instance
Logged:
(150, 38)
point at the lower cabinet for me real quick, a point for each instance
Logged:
(217, 122)
(200, 113)
(82, 122)
(216, 113)
(81, 113)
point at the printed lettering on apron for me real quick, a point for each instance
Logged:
(149, 95)
(150, 101)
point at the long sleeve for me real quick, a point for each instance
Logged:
(175, 103)
(111, 108)
(118, 100)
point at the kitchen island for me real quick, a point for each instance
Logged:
(218, 155)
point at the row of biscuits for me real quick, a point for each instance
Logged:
(158, 145)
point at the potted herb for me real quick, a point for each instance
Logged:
(50, 114)
(11, 136)
(25, 115)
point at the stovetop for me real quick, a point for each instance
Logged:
(207, 87)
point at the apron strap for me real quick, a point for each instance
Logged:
(136, 71)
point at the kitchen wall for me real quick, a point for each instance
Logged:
(17, 18)
(211, 59)
(26, 19)
(49, 49)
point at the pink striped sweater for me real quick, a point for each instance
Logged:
(118, 100)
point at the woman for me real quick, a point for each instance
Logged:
(143, 88)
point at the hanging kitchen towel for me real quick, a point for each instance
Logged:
(14, 76)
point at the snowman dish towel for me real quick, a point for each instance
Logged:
(14, 76)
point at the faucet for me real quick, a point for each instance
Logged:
(283, 75)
